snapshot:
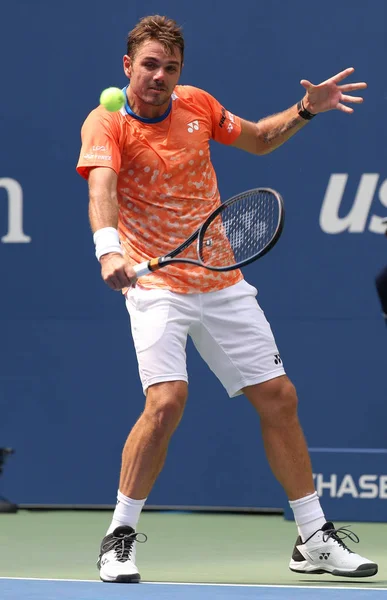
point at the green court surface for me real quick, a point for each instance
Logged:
(181, 547)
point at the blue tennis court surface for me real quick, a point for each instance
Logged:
(36, 589)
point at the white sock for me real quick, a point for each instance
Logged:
(126, 512)
(308, 515)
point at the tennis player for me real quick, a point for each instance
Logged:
(151, 184)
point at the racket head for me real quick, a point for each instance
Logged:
(241, 230)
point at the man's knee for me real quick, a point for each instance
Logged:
(275, 399)
(165, 404)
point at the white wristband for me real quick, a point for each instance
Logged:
(107, 240)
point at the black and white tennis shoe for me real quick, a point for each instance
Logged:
(326, 552)
(117, 557)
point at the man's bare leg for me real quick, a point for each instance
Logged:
(146, 448)
(283, 438)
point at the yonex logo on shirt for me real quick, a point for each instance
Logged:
(193, 126)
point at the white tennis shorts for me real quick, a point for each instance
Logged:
(227, 327)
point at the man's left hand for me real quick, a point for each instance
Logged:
(330, 94)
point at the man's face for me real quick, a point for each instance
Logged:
(153, 73)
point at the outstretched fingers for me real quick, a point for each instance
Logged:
(342, 75)
(352, 87)
(331, 94)
(344, 108)
(306, 84)
(356, 99)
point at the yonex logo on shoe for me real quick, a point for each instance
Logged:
(324, 555)
(193, 126)
(277, 359)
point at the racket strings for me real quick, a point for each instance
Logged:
(242, 230)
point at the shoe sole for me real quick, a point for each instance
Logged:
(366, 570)
(123, 579)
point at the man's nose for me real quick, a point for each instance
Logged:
(159, 75)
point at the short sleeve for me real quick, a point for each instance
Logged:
(100, 137)
(226, 126)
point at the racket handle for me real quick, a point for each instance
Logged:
(142, 269)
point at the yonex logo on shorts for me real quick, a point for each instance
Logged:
(193, 126)
(277, 359)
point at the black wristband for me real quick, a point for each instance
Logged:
(304, 114)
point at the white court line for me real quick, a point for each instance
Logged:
(249, 585)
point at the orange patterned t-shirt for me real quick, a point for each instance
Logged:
(166, 184)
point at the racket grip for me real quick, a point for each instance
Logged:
(142, 269)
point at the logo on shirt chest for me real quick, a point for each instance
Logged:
(193, 126)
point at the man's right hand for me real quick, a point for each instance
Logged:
(117, 272)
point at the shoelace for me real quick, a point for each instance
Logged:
(123, 545)
(339, 535)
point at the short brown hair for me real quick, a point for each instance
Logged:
(161, 29)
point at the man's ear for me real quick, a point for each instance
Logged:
(127, 66)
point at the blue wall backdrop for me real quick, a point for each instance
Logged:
(69, 388)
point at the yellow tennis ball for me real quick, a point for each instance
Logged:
(112, 99)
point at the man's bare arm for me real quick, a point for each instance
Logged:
(116, 271)
(269, 133)
(103, 205)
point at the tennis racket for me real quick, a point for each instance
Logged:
(238, 232)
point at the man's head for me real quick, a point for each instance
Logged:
(154, 59)
(156, 29)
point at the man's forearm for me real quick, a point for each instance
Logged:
(103, 215)
(277, 129)
(103, 210)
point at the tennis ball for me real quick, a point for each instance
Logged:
(112, 99)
